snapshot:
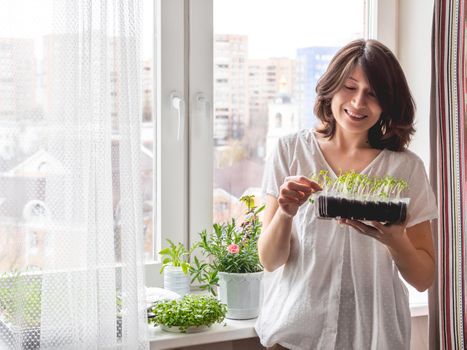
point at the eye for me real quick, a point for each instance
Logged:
(372, 94)
(348, 87)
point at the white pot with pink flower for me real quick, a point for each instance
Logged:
(241, 293)
(232, 268)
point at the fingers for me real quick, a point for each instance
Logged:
(305, 181)
(297, 187)
(378, 225)
(301, 183)
(294, 192)
(367, 230)
(377, 230)
(284, 199)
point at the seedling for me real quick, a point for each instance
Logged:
(190, 311)
(360, 197)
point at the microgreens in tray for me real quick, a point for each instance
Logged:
(191, 313)
(360, 197)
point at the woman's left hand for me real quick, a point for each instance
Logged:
(389, 235)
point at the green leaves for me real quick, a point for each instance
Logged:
(21, 294)
(190, 311)
(229, 247)
(215, 248)
(351, 183)
(177, 255)
(249, 201)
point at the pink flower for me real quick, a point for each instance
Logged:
(233, 248)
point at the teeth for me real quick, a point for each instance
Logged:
(358, 116)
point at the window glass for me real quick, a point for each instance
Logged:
(26, 70)
(148, 146)
(268, 56)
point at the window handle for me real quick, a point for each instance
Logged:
(202, 104)
(178, 104)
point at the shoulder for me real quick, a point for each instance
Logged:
(300, 138)
(406, 157)
(405, 164)
(294, 148)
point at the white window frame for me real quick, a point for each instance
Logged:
(183, 186)
(184, 63)
(383, 22)
(170, 216)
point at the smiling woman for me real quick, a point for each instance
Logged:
(348, 265)
(365, 93)
(355, 105)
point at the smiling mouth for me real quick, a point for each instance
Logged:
(355, 116)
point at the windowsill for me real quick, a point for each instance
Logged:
(418, 310)
(234, 330)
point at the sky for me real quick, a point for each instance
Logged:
(38, 20)
(275, 28)
(16, 21)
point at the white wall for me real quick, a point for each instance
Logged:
(414, 52)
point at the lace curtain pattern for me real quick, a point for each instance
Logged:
(71, 226)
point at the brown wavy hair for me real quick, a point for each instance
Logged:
(395, 127)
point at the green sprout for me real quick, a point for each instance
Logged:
(177, 256)
(353, 184)
(190, 311)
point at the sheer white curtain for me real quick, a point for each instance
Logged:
(71, 225)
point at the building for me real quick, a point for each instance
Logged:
(266, 78)
(283, 119)
(17, 79)
(311, 64)
(33, 167)
(148, 88)
(230, 87)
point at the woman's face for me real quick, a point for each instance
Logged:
(355, 106)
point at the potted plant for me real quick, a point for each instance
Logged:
(360, 197)
(192, 313)
(21, 295)
(176, 267)
(21, 311)
(232, 263)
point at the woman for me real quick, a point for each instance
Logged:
(335, 284)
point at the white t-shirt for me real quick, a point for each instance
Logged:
(339, 289)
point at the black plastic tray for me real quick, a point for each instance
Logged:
(364, 210)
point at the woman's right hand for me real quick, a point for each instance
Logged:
(294, 192)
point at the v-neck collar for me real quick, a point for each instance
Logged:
(330, 169)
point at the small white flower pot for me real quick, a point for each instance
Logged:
(176, 281)
(241, 293)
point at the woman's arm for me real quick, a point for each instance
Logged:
(411, 248)
(415, 257)
(275, 240)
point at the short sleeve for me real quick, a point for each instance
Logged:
(422, 204)
(276, 168)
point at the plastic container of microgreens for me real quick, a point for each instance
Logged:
(360, 197)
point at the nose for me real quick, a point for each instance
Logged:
(359, 99)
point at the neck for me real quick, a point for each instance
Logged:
(350, 141)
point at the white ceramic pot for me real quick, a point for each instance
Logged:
(176, 281)
(241, 293)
